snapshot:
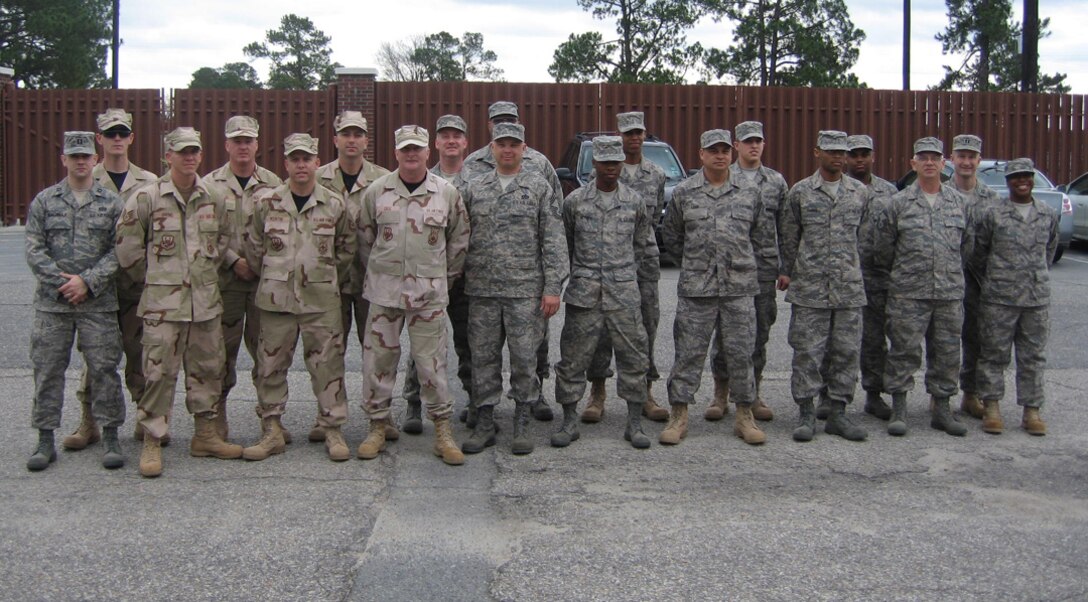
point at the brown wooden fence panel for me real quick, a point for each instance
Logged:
(34, 122)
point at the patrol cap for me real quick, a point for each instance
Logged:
(113, 118)
(502, 107)
(350, 119)
(1019, 166)
(242, 125)
(182, 137)
(299, 142)
(508, 130)
(859, 141)
(748, 129)
(608, 148)
(831, 140)
(451, 121)
(78, 143)
(967, 142)
(711, 137)
(635, 120)
(411, 135)
(928, 144)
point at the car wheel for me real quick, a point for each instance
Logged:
(1058, 254)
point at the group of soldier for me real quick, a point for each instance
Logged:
(178, 271)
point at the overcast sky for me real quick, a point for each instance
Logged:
(164, 42)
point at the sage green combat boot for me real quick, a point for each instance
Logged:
(875, 406)
(45, 454)
(633, 432)
(542, 411)
(568, 431)
(483, 435)
(838, 423)
(897, 424)
(943, 420)
(523, 441)
(413, 417)
(806, 422)
(113, 458)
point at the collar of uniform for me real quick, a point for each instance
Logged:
(167, 186)
(705, 185)
(428, 186)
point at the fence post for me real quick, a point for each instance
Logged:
(355, 91)
(7, 83)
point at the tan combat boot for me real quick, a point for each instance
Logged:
(1033, 423)
(595, 409)
(650, 409)
(991, 420)
(719, 407)
(744, 425)
(335, 445)
(206, 442)
(374, 442)
(86, 433)
(317, 433)
(760, 410)
(151, 458)
(391, 431)
(971, 405)
(271, 441)
(221, 426)
(444, 445)
(138, 430)
(677, 428)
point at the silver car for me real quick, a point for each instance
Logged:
(1077, 190)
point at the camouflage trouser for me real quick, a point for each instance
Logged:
(698, 319)
(458, 314)
(583, 328)
(937, 323)
(132, 329)
(354, 305)
(381, 354)
(826, 344)
(874, 342)
(521, 325)
(650, 309)
(169, 346)
(323, 351)
(50, 351)
(972, 292)
(766, 315)
(1002, 327)
(241, 321)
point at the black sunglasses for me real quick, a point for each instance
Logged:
(117, 133)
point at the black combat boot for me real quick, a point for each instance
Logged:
(943, 420)
(541, 410)
(568, 431)
(523, 442)
(483, 435)
(633, 432)
(806, 423)
(897, 425)
(875, 405)
(413, 418)
(823, 409)
(839, 424)
(45, 454)
(113, 457)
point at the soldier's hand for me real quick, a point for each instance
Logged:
(549, 304)
(75, 291)
(242, 271)
(783, 283)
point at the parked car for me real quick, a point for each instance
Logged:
(991, 172)
(1077, 191)
(575, 169)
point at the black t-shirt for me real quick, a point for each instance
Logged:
(118, 178)
(300, 201)
(242, 181)
(349, 180)
(411, 186)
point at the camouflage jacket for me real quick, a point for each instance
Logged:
(301, 256)
(65, 235)
(481, 162)
(876, 277)
(413, 243)
(1011, 253)
(331, 176)
(456, 179)
(609, 245)
(517, 247)
(921, 246)
(772, 191)
(820, 251)
(239, 206)
(136, 179)
(175, 247)
(717, 233)
(976, 202)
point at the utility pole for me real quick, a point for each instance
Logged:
(906, 44)
(1029, 68)
(116, 37)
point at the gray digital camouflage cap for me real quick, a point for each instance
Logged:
(113, 118)
(928, 144)
(608, 148)
(451, 121)
(242, 125)
(968, 142)
(711, 137)
(508, 130)
(831, 140)
(1019, 166)
(411, 135)
(300, 142)
(748, 129)
(634, 120)
(78, 143)
(349, 119)
(859, 141)
(502, 107)
(181, 138)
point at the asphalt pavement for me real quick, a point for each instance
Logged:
(924, 517)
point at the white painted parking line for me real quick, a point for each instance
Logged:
(1068, 258)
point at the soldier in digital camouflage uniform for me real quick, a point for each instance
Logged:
(860, 155)
(715, 227)
(749, 171)
(920, 237)
(609, 234)
(116, 174)
(414, 235)
(517, 262)
(238, 181)
(643, 178)
(482, 162)
(1014, 243)
(69, 248)
(173, 236)
(349, 176)
(450, 141)
(300, 242)
(821, 225)
(966, 155)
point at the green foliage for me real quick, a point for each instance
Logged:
(58, 43)
(984, 32)
(787, 43)
(229, 76)
(439, 57)
(650, 45)
(300, 54)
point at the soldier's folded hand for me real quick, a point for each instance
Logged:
(75, 290)
(549, 304)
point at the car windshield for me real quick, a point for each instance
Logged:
(994, 177)
(659, 154)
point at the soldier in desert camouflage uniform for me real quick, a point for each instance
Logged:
(69, 248)
(414, 234)
(301, 243)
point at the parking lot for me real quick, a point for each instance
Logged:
(926, 516)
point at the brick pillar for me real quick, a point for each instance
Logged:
(355, 91)
(7, 83)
